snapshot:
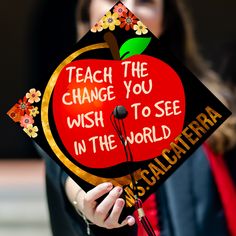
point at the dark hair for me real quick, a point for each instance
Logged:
(178, 36)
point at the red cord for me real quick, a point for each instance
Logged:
(143, 218)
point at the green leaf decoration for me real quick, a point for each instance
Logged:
(133, 46)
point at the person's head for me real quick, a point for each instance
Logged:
(167, 19)
(149, 11)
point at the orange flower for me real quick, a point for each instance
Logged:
(23, 107)
(128, 20)
(120, 9)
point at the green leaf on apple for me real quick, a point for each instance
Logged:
(133, 47)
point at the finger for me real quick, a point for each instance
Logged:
(112, 220)
(130, 220)
(89, 201)
(98, 191)
(106, 205)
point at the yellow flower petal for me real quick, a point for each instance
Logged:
(34, 135)
(139, 23)
(33, 90)
(105, 25)
(100, 29)
(117, 22)
(115, 15)
(93, 29)
(111, 27)
(108, 14)
(35, 128)
(144, 31)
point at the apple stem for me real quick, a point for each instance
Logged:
(110, 39)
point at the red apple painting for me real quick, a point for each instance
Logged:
(120, 108)
(86, 93)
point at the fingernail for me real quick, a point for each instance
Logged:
(109, 186)
(130, 220)
(120, 202)
(119, 190)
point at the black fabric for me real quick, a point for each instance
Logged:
(231, 163)
(189, 203)
(63, 217)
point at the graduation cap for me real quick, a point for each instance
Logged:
(120, 108)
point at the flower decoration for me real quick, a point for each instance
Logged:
(34, 111)
(128, 20)
(120, 9)
(24, 112)
(26, 120)
(23, 106)
(33, 95)
(31, 130)
(122, 17)
(97, 27)
(140, 28)
(110, 21)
